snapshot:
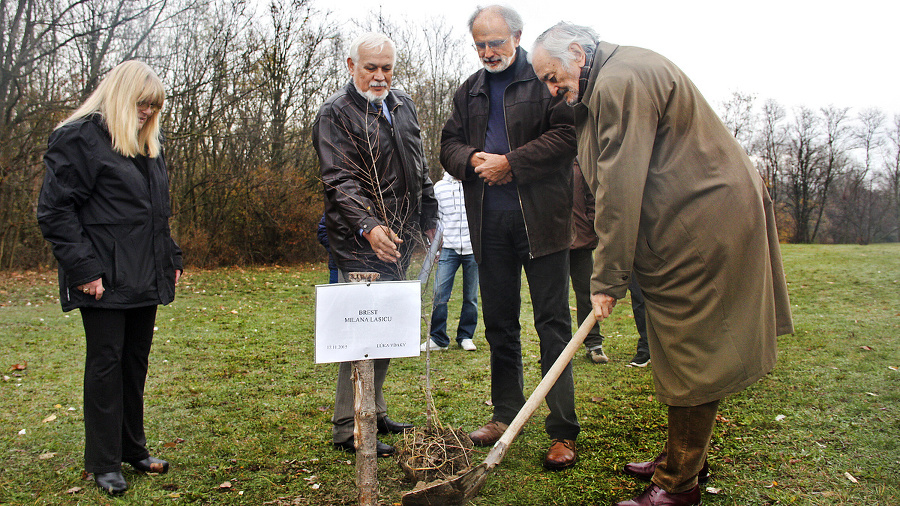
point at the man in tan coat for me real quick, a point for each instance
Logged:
(680, 206)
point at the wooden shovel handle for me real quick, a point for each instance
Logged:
(499, 450)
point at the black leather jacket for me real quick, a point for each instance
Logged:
(107, 216)
(541, 132)
(373, 171)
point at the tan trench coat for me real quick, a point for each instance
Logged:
(679, 200)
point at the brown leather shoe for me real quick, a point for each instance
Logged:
(645, 470)
(655, 496)
(489, 434)
(562, 454)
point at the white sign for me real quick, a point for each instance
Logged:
(358, 321)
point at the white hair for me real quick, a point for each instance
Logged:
(557, 39)
(512, 18)
(374, 41)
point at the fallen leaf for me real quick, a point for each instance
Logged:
(22, 432)
(19, 367)
(73, 490)
(889, 367)
(713, 490)
(45, 456)
(225, 485)
(323, 408)
(49, 418)
(169, 445)
(315, 486)
(871, 394)
(780, 418)
(598, 400)
(488, 403)
(174, 495)
(867, 348)
(57, 406)
(851, 478)
(774, 484)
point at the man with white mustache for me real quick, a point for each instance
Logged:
(512, 145)
(378, 197)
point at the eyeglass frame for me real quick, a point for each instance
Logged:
(493, 44)
(144, 105)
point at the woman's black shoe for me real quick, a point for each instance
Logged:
(112, 483)
(150, 465)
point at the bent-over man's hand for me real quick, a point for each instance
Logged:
(384, 243)
(494, 169)
(603, 305)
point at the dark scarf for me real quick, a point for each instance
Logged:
(589, 53)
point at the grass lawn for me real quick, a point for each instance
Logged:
(234, 396)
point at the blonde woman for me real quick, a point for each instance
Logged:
(104, 207)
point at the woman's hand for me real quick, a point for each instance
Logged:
(94, 288)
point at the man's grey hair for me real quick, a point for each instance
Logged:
(374, 41)
(557, 39)
(512, 18)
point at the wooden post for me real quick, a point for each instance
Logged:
(364, 427)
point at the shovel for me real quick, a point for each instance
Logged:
(466, 485)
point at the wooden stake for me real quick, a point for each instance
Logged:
(364, 422)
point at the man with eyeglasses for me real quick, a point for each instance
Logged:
(512, 144)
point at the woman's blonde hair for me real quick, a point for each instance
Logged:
(116, 98)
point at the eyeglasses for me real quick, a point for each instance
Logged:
(493, 44)
(143, 105)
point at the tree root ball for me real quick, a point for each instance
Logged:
(434, 453)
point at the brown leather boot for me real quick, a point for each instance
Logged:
(562, 454)
(655, 496)
(645, 470)
(489, 434)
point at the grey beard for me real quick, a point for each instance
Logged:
(371, 96)
(505, 64)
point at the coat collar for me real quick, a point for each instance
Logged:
(522, 71)
(603, 52)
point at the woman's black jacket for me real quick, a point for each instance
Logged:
(107, 216)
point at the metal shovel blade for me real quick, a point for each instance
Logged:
(465, 485)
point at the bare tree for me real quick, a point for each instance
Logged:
(803, 177)
(112, 30)
(835, 160)
(771, 147)
(891, 174)
(863, 199)
(40, 81)
(737, 114)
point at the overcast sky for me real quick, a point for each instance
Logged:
(799, 52)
